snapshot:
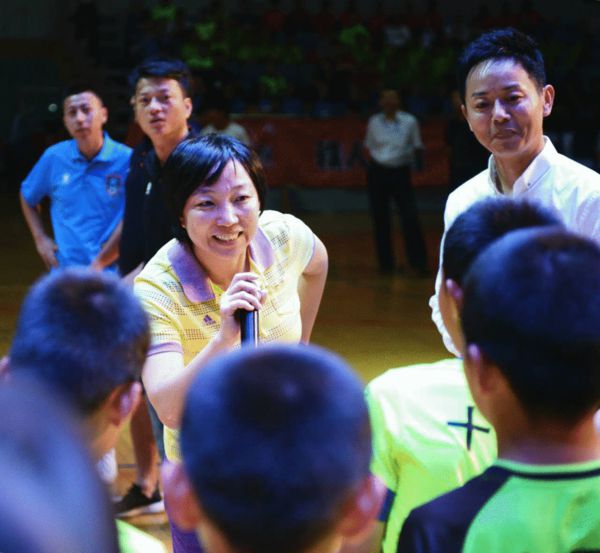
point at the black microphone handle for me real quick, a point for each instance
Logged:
(249, 327)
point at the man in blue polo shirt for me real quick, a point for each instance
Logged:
(84, 179)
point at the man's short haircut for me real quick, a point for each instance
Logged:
(275, 440)
(78, 87)
(200, 161)
(52, 500)
(161, 68)
(483, 223)
(532, 304)
(501, 44)
(82, 332)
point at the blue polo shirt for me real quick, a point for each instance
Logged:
(87, 197)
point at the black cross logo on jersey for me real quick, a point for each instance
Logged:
(469, 426)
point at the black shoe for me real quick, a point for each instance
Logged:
(134, 503)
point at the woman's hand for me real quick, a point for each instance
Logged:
(165, 376)
(244, 292)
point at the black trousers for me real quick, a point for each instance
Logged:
(385, 184)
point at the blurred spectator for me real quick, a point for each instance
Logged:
(84, 180)
(165, 12)
(219, 121)
(298, 20)
(397, 33)
(324, 21)
(394, 143)
(85, 22)
(350, 16)
(229, 50)
(274, 19)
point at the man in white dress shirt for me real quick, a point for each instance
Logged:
(505, 100)
(394, 143)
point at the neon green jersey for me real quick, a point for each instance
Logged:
(512, 507)
(428, 438)
(133, 540)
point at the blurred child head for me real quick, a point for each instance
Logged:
(52, 500)
(470, 234)
(276, 446)
(85, 335)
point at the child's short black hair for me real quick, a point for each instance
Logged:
(501, 44)
(532, 304)
(483, 223)
(275, 440)
(82, 332)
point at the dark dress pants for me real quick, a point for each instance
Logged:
(394, 183)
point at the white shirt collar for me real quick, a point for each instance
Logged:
(540, 165)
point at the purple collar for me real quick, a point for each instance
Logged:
(192, 276)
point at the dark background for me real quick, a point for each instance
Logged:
(310, 59)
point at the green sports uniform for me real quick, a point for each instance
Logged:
(512, 507)
(428, 438)
(133, 540)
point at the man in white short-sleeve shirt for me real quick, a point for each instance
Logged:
(394, 144)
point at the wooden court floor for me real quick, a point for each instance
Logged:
(374, 322)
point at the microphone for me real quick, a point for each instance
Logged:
(248, 327)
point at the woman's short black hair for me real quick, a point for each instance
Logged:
(200, 161)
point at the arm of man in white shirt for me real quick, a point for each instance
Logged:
(436, 315)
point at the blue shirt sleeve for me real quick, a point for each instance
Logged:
(37, 184)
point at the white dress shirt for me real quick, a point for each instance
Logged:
(552, 180)
(233, 129)
(392, 143)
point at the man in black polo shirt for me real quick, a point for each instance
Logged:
(162, 107)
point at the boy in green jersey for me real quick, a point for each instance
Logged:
(531, 321)
(428, 436)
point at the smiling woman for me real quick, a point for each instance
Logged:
(221, 220)
(228, 255)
